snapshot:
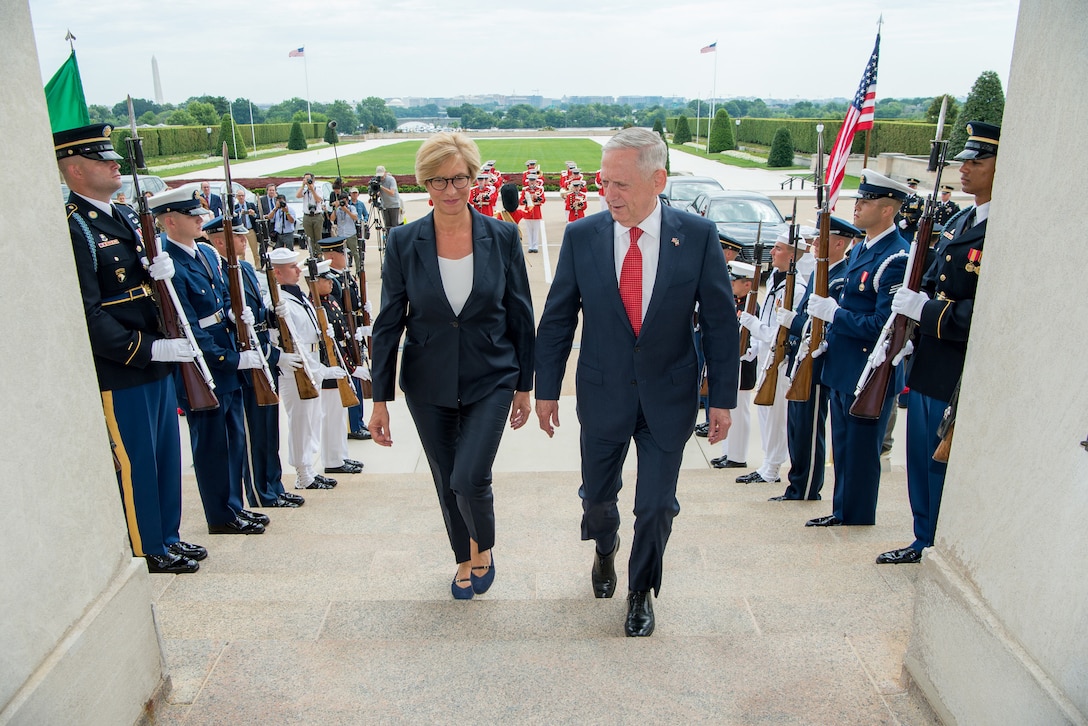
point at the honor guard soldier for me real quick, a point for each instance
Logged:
(764, 330)
(303, 414)
(332, 249)
(262, 472)
(530, 168)
(874, 272)
(600, 192)
(576, 200)
(730, 249)
(217, 435)
(946, 209)
(334, 432)
(910, 212)
(532, 201)
(482, 196)
(132, 358)
(564, 177)
(735, 445)
(806, 421)
(943, 309)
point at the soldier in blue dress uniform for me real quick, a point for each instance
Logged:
(910, 212)
(943, 309)
(806, 420)
(262, 472)
(874, 272)
(133, 360)
(217, 436)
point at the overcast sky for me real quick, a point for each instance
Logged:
(354, 49)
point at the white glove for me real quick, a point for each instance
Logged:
(172, 350)
(909, 303)
(281, 308)
(367, 309)
(329, 331)
(249, 359)
(907, 350)
(785, 317)
(247, 316)
(823, 308)
(162, 268)
(364, 331)
(747, 320)
(290, 361)
(749, 355)
(820, 349)
(878, 356)
(332, 373)
(902, 224)
(361, 372)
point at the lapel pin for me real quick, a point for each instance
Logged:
(675, 242)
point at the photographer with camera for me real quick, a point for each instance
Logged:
(283, 223)
(313, 208)
(390, 196)
(344, 218)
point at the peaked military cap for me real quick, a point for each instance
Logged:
(877, 186)
(91, 141)
(176, 200)
(982, 140)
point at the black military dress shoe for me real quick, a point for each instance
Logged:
(328, 481)
(353, 462)
(236, 526)
(755, 478)
(254, 517)
(904, 556)
(344, 468)
(603, 575)
(171, 564)
(363, 435)
(724, 463)
(192, 551)
(702, 430)
(829, 521)
(283, 502)
(295, 499)
(640, 615)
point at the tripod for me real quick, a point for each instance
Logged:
(377, 222)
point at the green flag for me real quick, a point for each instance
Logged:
(64, 96)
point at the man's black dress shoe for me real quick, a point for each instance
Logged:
(284, 502)
(829, 521)
(328, 481)
(353, 462)
(254, 517)
(192, 551)
(171, 563)
(702, 430)
(724, 463)
(295, 499)
(604, 572)
(344, 468)
(640, 615)
(902, 556)
(317, 484)
(754, 478)
(236, 526)
(363, 435)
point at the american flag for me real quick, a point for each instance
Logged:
(709, 48)
(859, 117)
(297, 53)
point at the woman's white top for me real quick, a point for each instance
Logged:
(456, 280)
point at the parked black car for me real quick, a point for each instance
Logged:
(680, 191)
(738, 214)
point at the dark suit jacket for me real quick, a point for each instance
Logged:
(215, 204)
(450, 358)
(617, 372)
(872, 277)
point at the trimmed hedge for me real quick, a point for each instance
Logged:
(904, 137)
(195, 139)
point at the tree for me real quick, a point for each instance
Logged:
(781, 149)
(181, 117)
(204, 113)
(236, 142)
(344, 115)
(306, 117)
(681, 134)
(985, 102)
(661, 133)
(283, 112)
(241, 109)
(147, 118)
(372, 111)
(219, 103)
(721, 134)
(297, 140)
(657, 126)
(331, 135)
(934, 110)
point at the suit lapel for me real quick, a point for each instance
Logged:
(668, 255)
(603, 254)
(483, 246)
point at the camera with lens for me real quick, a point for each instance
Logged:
(374, 189)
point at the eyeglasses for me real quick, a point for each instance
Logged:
(439, 182)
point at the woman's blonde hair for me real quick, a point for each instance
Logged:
(438, 149)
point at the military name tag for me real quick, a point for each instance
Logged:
(108, 243)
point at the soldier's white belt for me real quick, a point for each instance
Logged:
(211, 320)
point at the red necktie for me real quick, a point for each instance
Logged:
(631, 281)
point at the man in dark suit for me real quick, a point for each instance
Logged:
(874, 272)
(244, 214)
(636, 274)
(132, 358)
(212, 202)
(943, 309)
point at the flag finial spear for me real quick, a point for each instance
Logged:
(69, 37)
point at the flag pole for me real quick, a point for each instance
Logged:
(869, 131)
(252, 127)
(306, 72)
(713, 92)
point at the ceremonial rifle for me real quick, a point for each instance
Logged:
(801, 387)
(365, 385)
(872, 386)
(264, 385)
(753, 294)
(332, 349)
(304, 379)
(769, 386)
(195, 374)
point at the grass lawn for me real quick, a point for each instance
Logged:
(510, 156)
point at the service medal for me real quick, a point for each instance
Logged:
(864, 277)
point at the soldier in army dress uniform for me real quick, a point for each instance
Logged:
(943, 309)
(133, 360)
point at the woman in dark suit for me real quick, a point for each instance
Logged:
(455, 282)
